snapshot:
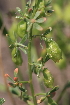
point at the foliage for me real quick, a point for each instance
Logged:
(31, 19)
(37, 17)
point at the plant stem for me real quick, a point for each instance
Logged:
(67, 85)
(19, 44)
(40, 94)
(29, 66)
(24, 82)
(30, 73)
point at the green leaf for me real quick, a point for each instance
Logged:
(2, 100)
(37, 14)
(54, 89)
(19, 10)
(51, 101)
(48, 2)
(22, 89)
(14, 92)
(38, 27)
(48, 31)
(41, 20)
(23, 50)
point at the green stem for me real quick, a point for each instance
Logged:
(40, 94)
(24, 82)
(67, 85)
(30, 73)
(61, 94)
(19, 44)
(29, 66)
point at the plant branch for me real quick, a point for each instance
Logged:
(67, 85)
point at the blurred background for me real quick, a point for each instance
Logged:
(60, 23)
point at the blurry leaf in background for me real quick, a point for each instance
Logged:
(1, 22)
(2, 88)
(58, 11)
(66, 14)
(5, 31)
(12, 31)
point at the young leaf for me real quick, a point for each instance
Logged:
(37, 14)
(23, 50)
(22, 89)
(19, 10)
(41, 20)
(38, 27)
(48, 31)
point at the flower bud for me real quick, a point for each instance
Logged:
(16, 70)
(6, 75)
(15, 78)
